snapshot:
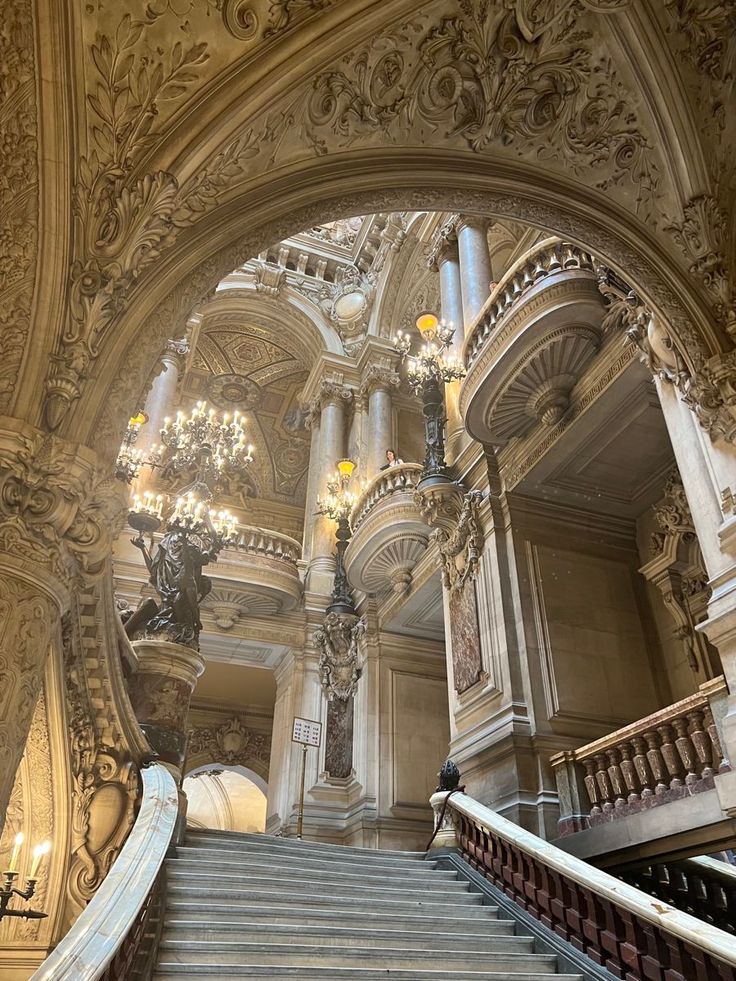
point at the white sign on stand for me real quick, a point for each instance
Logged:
(307, 732)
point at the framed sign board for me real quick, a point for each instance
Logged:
(307, 732)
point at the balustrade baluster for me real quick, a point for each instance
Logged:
(604, 784)
(628, 770)
(701, 742)
(712, 730)
(686, 750)
(670, 755)
(616, 777)
(591, 785)
(516, 286)
(656, 762)
(554, 262)
(642, 766)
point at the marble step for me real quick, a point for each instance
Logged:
(219, 953)
(484, 918)
(201, 883)
(222, 869)
(335, 935)
(182, 972)
(275, 858)
(305, 851)
(246, 840)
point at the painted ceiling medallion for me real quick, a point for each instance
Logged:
(234, 392)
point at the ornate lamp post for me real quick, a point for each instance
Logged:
(194, 532)
(337, 505)
(428, 372)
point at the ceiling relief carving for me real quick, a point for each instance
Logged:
(18, 189)
(475, 78)
(241, 367)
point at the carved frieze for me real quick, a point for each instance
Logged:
(461, 546)
(340, 663)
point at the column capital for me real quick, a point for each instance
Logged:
(476, 222)
(443, 245)
(334, 393)
(379, 377)
(176, 351)
(60, 508)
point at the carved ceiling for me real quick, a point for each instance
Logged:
(240, 366)
(202, 135)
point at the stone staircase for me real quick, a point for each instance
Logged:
(253, 906)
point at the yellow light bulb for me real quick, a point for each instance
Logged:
(426, 321)
(345, 468)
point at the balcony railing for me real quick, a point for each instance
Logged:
(272, 544)
(402, 477)
(671, 754)
(544, 261)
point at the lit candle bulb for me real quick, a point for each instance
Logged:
(38, 853)
(15, 854)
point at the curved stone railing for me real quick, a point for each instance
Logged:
(272, 544)
(546, 259)
(110, 927)
(404, 476)
(671, 754)
(633, 935)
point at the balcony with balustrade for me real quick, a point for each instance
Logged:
(389, 533)
(533, 338)
(649, 788)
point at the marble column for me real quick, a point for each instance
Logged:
(475, 266)
(377, 387)
(334, 400)
(447, 262)
(708, 473)
(161, 401)
(313, 420)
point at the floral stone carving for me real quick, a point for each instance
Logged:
(338, 641)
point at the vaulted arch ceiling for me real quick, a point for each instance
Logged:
(206, 131)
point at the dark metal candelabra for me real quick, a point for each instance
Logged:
(8, 890)
(337, 505)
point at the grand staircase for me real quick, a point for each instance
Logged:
(253, 906)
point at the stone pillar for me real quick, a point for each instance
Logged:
(334, 400)
(160, 693)
(445, 258)
(59, 513)
(310, 503)
(161, 401)
(377, 387)
(475, 267)
(708, 474)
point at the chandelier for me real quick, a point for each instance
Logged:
(432, 362)
(203, 440)
(131, 458)
(190, 514)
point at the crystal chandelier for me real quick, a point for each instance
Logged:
(203, 440)
(190, 514)
(432, 361)
(130, 458)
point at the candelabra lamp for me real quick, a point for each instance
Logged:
(337, 505)
(8, 889)
(194, 534)
(428, 372)
(130, 458)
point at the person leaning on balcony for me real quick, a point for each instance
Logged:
(393, 460)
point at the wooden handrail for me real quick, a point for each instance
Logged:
(635, 936)
(102, 928)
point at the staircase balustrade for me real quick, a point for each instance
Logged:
(546, 259)
(702, 886)
(402, 477)
(105, 939)
(673, 753)
(630, 934)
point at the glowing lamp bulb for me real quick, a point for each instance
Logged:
(426, 322)
(345, 468)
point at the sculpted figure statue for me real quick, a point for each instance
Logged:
(175, 572)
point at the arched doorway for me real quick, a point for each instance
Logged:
(225, 798)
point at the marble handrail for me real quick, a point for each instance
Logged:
(678, 746)
(272, 544)
(103, 926)
(404, 476)
(618, 925)
(545, 259)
